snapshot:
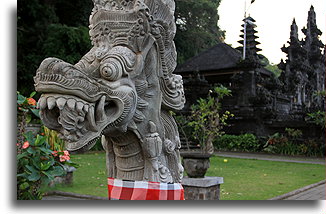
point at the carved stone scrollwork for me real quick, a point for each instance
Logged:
(122, 90)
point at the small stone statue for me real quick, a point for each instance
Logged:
(122, 90)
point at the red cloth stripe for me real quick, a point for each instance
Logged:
(143, 190)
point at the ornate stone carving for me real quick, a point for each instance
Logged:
(122, 89)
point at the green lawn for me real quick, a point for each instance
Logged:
(243, 179)
(246, 179)
(90, 177)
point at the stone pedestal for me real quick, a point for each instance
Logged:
(207, 188)
(67, 179)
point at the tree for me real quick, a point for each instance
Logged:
(58, 28)
(32, 21)
(49, 28)
(197, 28)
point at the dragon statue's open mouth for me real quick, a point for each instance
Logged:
(75, 117)
(81, 112)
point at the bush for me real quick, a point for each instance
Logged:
(292, 144)
(37, 164)
(244, 142)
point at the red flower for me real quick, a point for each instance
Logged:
(25, 145)
(64, 158)
(55, 153)
(31, 101)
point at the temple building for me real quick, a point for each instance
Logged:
(262, 102)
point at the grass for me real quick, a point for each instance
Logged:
(90, 177)
(244, 179)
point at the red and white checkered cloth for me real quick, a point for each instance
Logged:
(144, 190)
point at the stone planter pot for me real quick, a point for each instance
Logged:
(195, 164)
(66, 179)
(34, 128)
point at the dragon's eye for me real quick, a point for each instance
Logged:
(111, 69)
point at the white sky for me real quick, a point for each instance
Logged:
(273, 20)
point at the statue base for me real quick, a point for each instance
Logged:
(207, 188)
(144, 190)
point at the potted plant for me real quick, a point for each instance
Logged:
(206, 123)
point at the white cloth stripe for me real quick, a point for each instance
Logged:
(145, 184)
(163, 186)
(118, 183)
(141, 184)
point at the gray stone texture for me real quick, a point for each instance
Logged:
(123, 91)
(207, 188)
(315, 193)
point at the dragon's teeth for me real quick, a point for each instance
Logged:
(100, 114)
(42, 103)
(79, 107)
(91, 119)
(71, 104)
(86, 107)
(51, 102)
(61, 102)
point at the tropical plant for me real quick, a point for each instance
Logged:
(52, 137)
(294, 134)
(37, 164)
(291, 143)
(206, 118)
(26, 108)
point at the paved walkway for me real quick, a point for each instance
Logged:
(58, 195)
(311, 192)
(271, 157)
(316, 193)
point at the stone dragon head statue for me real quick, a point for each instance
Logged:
(122, 90)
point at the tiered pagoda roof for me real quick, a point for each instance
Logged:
(251, 38)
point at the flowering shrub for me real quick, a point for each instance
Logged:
(63, 156)
(26, 106)
(37, 164)
(291, 143)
